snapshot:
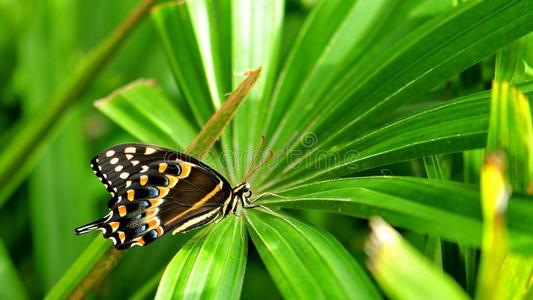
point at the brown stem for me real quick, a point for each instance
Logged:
(97, 274)
(213, 128)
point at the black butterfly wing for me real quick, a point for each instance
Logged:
(155, 190)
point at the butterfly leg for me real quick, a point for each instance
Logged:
(247, 203)
(238, 209)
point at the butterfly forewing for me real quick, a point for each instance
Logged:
(155, 190)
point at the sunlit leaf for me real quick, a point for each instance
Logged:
(256, 36)
(402, 272)
(210, 266)
(307, 262)
(419, 61)
(142, 110)
(447, 209)
(451, 127)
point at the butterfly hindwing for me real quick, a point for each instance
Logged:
(155, 190)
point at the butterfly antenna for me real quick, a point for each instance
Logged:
(270, 155)
(257, 155)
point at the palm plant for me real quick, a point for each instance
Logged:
(351, 94)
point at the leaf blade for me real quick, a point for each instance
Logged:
(328, 270)
(142, 110)
(417, 204)
(210, 268)
(404, 273)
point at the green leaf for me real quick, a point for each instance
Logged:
(62, 171)
(402, 272)
(429, 55)
(495, 194)
(450, 127)
(514, 278)
(256, 36)
(12, 287)
(512, 62)
(400, 73)
(336, 33)
(211, 22)
(433, 169)
(307, 262)
(142, 110)
(433, 247)
(210, 266)
(214, 127)
(511, 132)
(503, 274)
(418, 204)
(79, 269)
(174, 24)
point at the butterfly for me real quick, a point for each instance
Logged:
(155, 190)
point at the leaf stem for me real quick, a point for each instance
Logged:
(214, 127)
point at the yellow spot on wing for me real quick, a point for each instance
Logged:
(144, 179)
(155, 201)
(138, 241)
(187, 225)
(121, 236)
(163, 191)
(122, 210)
(150, 213)
(162, 167)
(114, 226)
(153, 223)
(131, 195)
(185, 170)
(172, 181)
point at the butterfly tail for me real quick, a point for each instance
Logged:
(98, 224)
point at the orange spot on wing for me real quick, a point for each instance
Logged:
(152, 223)
(114, 226)
(185, 170)
(150, 213)
(159, 230)
(162, 167)
(172, 181)
(155, 202)
(163, 191)
(144, 179)
(131, 195)
(122, 210)
(139, 241)
(121, 236)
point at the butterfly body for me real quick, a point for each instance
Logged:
(156, 190)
